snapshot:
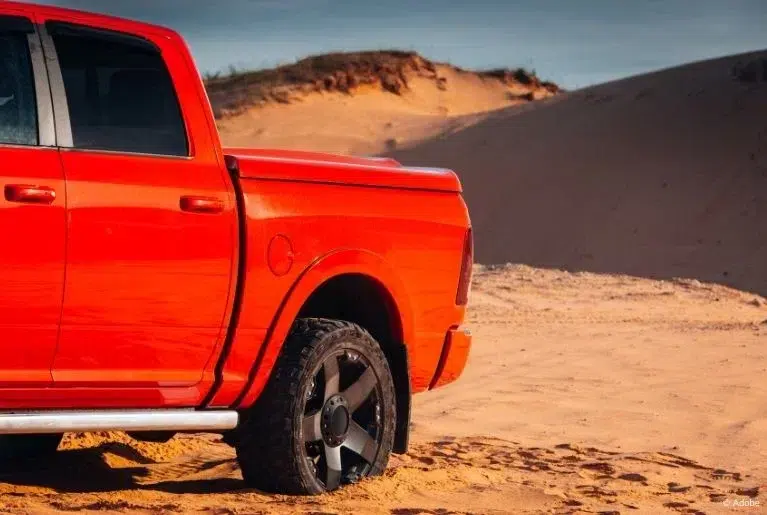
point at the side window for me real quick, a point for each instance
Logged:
(119, 92)
(18, 105)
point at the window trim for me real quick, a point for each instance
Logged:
(16, 23)
(63, 28)
(58, 95)
(46, 128)
(63, 124)
(46, 131)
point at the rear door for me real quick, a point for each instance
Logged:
(32, 210)
(152, 220)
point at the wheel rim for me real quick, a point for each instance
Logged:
(342, 419)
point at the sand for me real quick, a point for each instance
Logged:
(632, 382)
(584, 393)
(372, 121)
(662, 175)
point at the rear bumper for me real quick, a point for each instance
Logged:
(455, 353)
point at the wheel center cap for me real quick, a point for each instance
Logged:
(339, 421)
(335, 420)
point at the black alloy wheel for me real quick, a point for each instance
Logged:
(326, 417)
(342, 426)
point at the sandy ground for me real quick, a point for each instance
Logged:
(584, 393)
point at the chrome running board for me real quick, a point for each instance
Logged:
(116, 420)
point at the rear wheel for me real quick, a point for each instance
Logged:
(326, 417)
(28, 447)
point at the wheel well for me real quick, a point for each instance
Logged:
(366, 302)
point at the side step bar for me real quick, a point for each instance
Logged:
(117, 420)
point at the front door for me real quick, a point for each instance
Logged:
(32, 213)
(152, 222)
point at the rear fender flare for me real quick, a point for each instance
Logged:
(315, 275)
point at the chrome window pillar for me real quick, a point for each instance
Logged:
(58, 95)
(46, 130)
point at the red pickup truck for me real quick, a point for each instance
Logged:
(154, 282)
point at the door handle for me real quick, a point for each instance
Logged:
(201, 204)
(29, 194)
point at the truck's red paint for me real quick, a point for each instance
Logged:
(31, 268)
(149, 281)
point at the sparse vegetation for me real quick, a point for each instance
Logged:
(387, 70)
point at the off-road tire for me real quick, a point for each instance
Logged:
(271, 443)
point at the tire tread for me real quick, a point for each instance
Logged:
(266, 439)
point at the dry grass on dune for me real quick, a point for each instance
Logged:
(346, 72)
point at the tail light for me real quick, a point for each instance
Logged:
(464, 282)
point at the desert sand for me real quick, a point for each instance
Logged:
(618, 364)
(433, 102)
(585, 393)
(662, 175)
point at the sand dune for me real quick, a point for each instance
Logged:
(369, 120)
(661, 175)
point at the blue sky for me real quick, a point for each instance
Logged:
(572, 42)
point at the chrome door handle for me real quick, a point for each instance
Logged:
(201, 204)
(29, 194)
